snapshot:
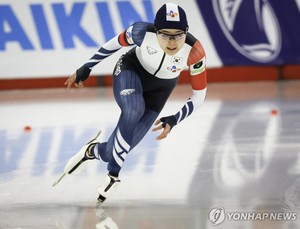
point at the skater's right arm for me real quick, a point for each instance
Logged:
(131, 36)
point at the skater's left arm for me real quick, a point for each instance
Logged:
(197, 64)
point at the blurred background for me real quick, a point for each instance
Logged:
(240, 151)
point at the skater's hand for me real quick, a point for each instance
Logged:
(166, 123)
(159, 126)
(71, 80)
(78, 77)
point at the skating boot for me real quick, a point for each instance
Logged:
(109, 186)
(77, 160)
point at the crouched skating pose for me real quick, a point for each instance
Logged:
(143, 79)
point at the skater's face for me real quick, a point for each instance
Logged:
(171, 40)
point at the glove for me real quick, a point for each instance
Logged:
(82, 73)
(171, 120)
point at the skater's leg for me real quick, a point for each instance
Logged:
(138, 128)
(112, 181)
(129, 96)
(131, 128)
(139, 131)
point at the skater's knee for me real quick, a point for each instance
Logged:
(134, 111)
(135, 114)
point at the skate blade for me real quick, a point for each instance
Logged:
(59, 179)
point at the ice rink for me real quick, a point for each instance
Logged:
(235, 163)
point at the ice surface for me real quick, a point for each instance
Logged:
(232, 153)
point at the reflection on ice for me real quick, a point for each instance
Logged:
(104, 221)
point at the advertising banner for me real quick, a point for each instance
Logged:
(254, 32)
(52, 38)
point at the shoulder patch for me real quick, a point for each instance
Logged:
(129, 35)
(198, 67)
